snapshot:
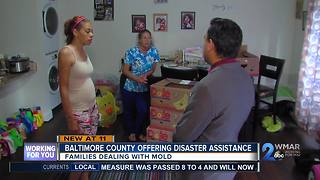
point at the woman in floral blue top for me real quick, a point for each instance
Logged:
(139, 64)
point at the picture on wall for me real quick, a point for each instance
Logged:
(188, 20)
(138, 23)
(103, 10)
(160, 22)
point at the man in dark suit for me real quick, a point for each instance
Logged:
(221, 102)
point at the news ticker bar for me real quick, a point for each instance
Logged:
(166, 156)
(97, 166)
(140, 152)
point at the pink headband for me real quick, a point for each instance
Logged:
(79, 19)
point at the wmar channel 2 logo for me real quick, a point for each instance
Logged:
(275, 152)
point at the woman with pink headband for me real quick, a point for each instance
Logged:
(76, 87)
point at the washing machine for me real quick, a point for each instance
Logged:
(50, 24)
(53, 83)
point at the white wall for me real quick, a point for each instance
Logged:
(21, 28)
(268, 27)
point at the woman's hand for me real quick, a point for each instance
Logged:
(149, 73)
(73, 126)
(142, 79)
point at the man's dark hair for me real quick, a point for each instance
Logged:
(226, 36)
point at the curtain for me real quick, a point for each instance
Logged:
(308, 92)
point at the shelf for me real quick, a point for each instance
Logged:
(10, 78)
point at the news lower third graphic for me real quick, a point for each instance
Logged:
(101, 153)
(35, 152)
(275, 152)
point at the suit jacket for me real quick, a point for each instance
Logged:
(218, 107)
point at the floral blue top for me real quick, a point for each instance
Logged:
(140, 64)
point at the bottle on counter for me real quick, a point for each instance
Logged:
(179, 57)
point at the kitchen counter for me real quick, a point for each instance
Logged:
(250, 64)
(10, 78)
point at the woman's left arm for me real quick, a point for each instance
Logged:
(149, 73)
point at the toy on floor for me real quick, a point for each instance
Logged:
(107, 108)
(308, 161)
(14, 130)
(4, 146)
(26, 120)
(314, 173)
(38, 117)
(268, 124)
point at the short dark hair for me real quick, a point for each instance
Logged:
(140, 36)
(226, 36)
(142, 32)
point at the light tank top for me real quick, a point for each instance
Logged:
(81, 88)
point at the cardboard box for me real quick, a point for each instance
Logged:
(164, 117)
(159, 134)
(250, 62)
(171, 94)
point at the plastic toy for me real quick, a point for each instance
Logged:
(3, 126)
(314, 174)
(5, 150)
(37, 115)
(16, 137)
(10, 142)
(309, 161)
(27, 119)
(107, 108)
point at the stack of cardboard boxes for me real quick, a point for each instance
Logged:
(169, 98)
